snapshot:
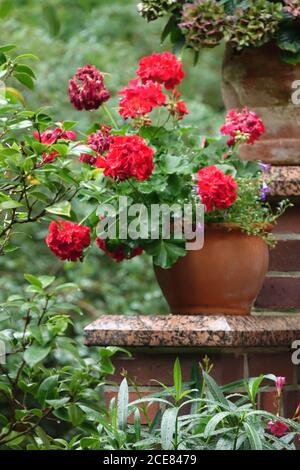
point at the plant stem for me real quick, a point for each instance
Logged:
(110, 116)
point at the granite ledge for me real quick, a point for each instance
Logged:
(193, 331)
(285, 181)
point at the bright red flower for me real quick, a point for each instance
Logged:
(217, 190)
(88, 158)
(243, 125)
(87, 90)
(68, 240)
(139, 100)
(119, 253)
(277, 428)
(128, 157)
(162, 68)
(99, 141)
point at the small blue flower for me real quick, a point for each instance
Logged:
(264, 191)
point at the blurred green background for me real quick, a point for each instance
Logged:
(66, 34)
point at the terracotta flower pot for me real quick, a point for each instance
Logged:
(257, 78)
(224, 277)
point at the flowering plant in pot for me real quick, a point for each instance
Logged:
(261, 64)
(153, 161)
(87, 187)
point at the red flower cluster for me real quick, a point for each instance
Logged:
(177, 107)
(217, 190)
(99, 141)
(119, 253)
(50, 137)
(139, 100)
(163, 68)
(277, 428)
(243, 125)
(87, 90)
(128, 157)
(68, 240)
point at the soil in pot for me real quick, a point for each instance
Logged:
(224, 277)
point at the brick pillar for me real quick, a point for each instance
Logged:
(281, 290)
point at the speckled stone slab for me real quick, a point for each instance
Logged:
(193, 331)
(285, 181)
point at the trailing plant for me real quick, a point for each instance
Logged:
(240, 23)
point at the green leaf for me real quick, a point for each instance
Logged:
(62, 208)
(168, 428)
(58, 403)
(177, 379)
(288, 38)
(7, 47)
(215, 390)
(26, 56)
(214, 421)
(33, 280)
(22, 68)
(35, 354)
(25, 79)
(166, 252)
(122, 410)
(76, 415)
(253, 437)
(10, 204)
(46, 281)
(48, 389)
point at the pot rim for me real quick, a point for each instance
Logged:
(235, 226)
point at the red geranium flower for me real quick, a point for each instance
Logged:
(162, 68)
(119, 253)
(139, 100)
(277, 428)
(217, 190)
(68, 240)
(128, 157)
(50, 157)
(87, 90)
(244, 125)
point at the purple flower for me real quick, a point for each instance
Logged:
(264, 191)
(265, 167)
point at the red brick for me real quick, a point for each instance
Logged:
(291, 400)
(268, 402)
(289, 222)
(285, 256)
(143, 368)
(279, 292)
(279, 364)
(151, 409)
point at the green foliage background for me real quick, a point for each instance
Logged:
(66, 34)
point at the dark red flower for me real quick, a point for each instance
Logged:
(99, 141)
(87, 90)
(244, 126)
(49, 137)
(217, 190)
(119, 253)
(162, 68)
(68, 240)
(88, 158)
(139, 100)
(49, 157)
(277, 428)
(128, 157)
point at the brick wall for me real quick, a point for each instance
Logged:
(281, 290)
(229, 365)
